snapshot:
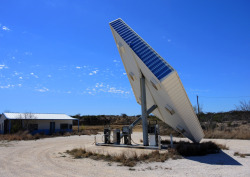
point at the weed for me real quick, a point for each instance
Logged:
(131, 169)
(123, 159)
(241, 155)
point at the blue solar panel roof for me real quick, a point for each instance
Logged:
(156, 64)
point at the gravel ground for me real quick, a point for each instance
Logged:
(46, 157)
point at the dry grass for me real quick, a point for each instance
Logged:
(124, 159)
(196, 149)
(192, 149)
(181, 149)
(99, 128)
(22, 135)
(25, 135)
(228, 134)
(241, 155)
(87, 132)
(222, 146)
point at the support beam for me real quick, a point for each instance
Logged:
(144, 111)
(150, 110)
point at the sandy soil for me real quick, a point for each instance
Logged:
(46, 157)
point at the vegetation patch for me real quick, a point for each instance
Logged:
(242, 132)
(193, 149)
(196, 149)
(26, 135)
(123, 158)
(222, 125)
(181, 149)
(21, 135)
(241, 155)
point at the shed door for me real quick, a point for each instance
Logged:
(52, 127)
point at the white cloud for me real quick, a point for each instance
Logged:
(91, 93)
(78, 67)
(44, 89)
(16, 73)
(100, 87)
(7, 86)
(34, 75)
(20, 85)
(28, 53)
(116, 61)
(20, 77)
(49, 75)
(94, 72)
(124, 73)
(5, 28)
(114, 90)
(3, 66)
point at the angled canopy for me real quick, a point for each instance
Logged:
(163, 85)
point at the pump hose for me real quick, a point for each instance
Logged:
(134, 142)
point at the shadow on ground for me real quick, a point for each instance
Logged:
(215, 159)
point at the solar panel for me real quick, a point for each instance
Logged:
(162, 83)
(151, 59)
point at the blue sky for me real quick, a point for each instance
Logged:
(59, 56)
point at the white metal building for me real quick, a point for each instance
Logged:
(36, 123)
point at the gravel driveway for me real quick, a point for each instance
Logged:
(46, 157)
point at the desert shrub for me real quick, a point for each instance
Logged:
(241, 155)
(123, 159)
(181, 149)
(21, 135)
(193, 149)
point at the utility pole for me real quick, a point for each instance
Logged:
(198, 106)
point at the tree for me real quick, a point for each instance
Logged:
(23, 122)
(196, 109)
(28, 118)
(124, 115)
(243, 106)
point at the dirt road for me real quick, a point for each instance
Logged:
(46, 157)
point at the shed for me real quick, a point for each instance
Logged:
(36, 123)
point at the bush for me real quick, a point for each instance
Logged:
(123, 158)
(193, 149)
(181, 149)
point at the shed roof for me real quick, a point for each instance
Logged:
(37, 116)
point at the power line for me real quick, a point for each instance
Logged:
(225, 97)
